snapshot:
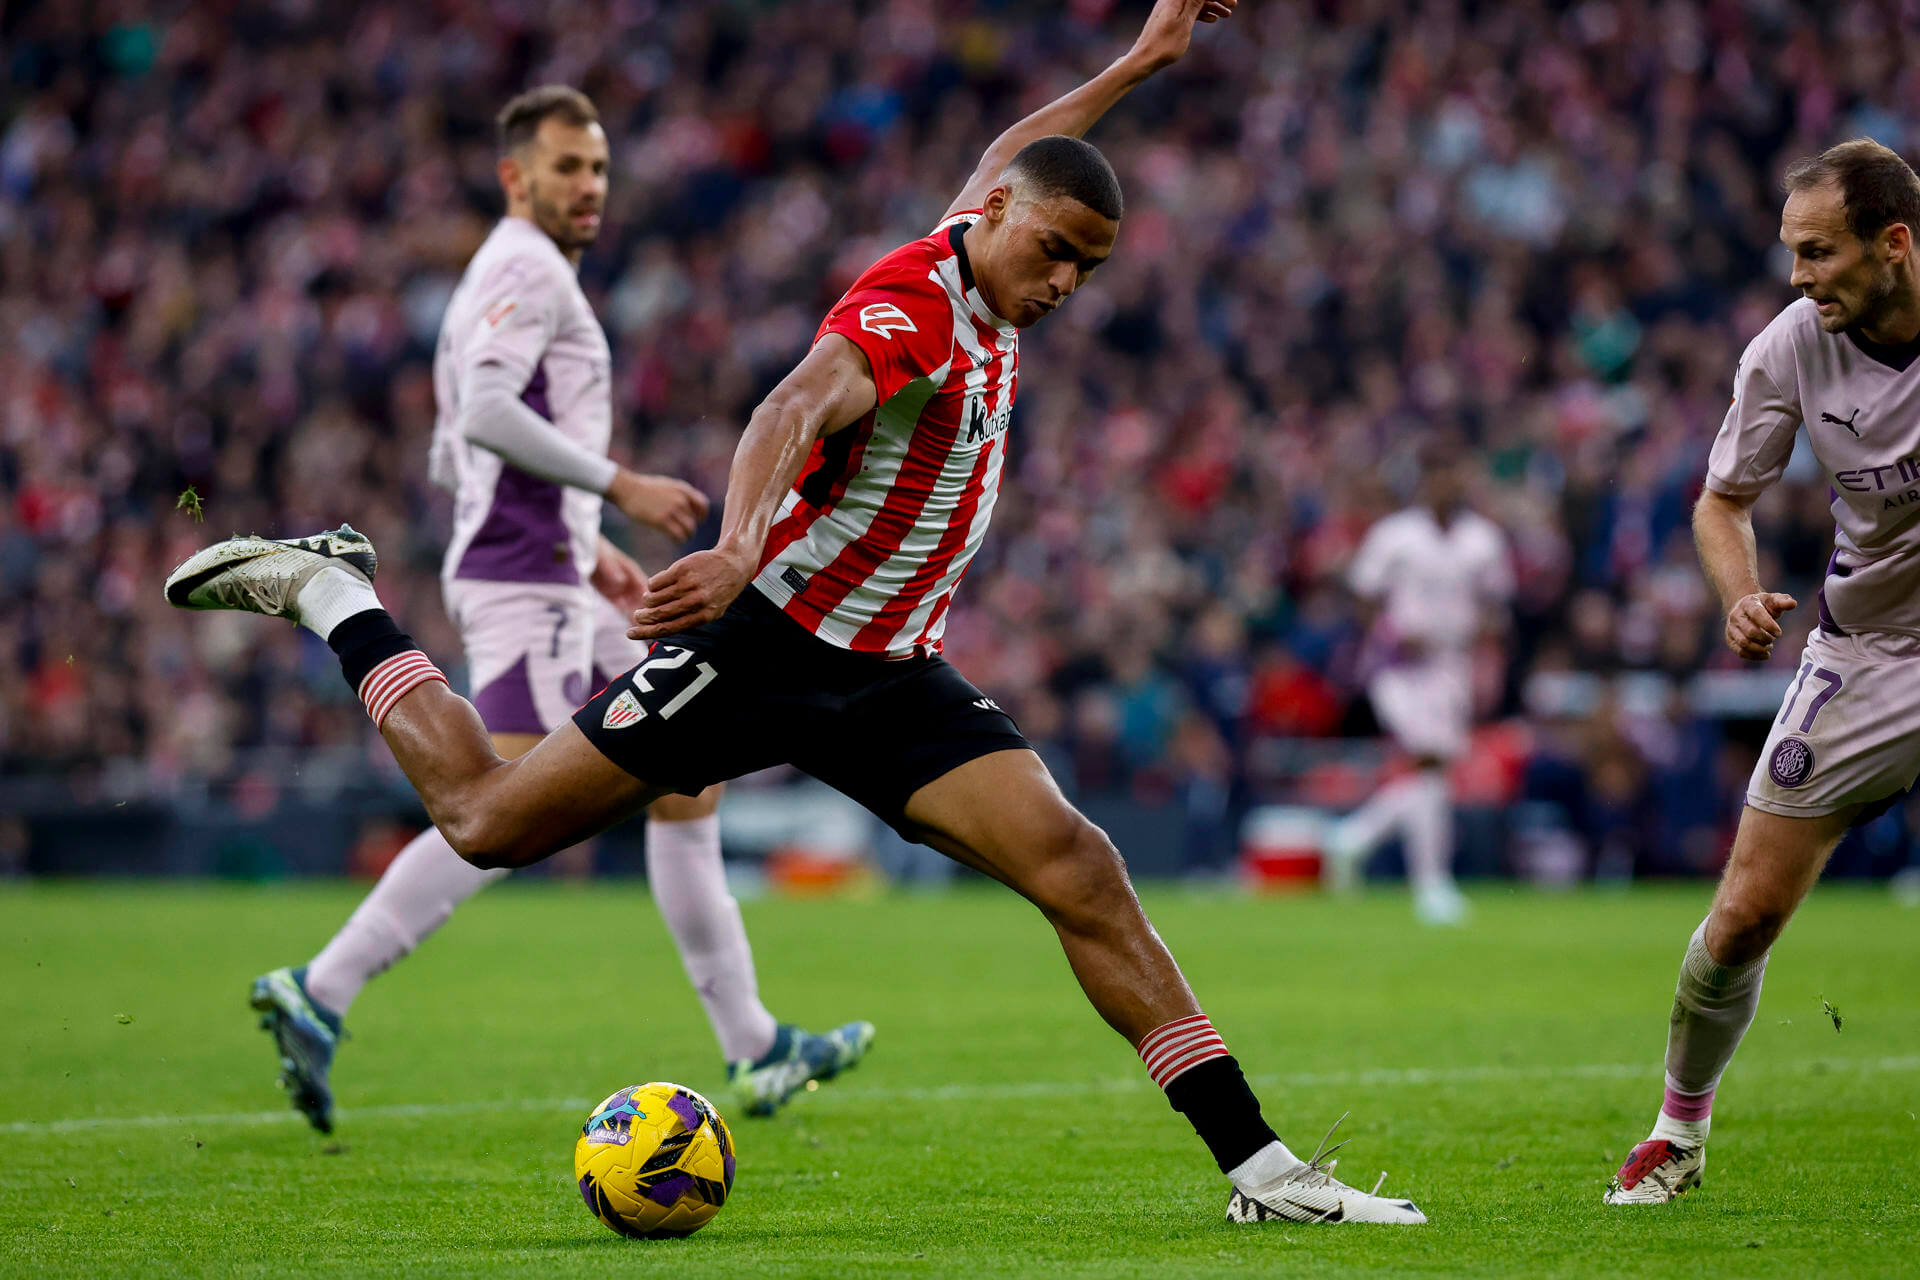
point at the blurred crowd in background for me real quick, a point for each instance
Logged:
(228, 230)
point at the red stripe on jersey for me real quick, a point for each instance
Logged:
(919, 472)
(875, 634)
(796, 523)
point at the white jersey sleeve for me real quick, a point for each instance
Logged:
(514, 319)
(1756, 438)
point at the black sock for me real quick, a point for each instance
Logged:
(366, 640)
(1216, 1101)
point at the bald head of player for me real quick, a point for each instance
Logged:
(1050, 220)
(553, 164)
(1850, 219)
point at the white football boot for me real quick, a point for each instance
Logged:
(264, 575)
(1656, 1171)
(1312, 1194)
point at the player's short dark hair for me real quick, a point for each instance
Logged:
(520, 119)
(1063, 166)
(1877, 187)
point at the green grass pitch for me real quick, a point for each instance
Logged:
(1498, 1073)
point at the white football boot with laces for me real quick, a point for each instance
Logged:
(1656, 1171)
(1312, 1194)
(264, 575)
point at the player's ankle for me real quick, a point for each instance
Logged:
(331, 597)
(1682, 1133)
(1262, 1173)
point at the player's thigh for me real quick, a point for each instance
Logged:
(1425, 706)
(679, 808)
(511, 746)
(1847, 737)
(699, 709)
(1774, 863)
(1003, 814)
(557, 794)
(614, 653)
(529, 651)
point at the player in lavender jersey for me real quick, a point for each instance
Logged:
(1844, 361)
(1439, 576)
(540, 597)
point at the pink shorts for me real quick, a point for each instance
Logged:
(1427, 705)
(536, 651)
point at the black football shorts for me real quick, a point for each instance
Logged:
(753, 689)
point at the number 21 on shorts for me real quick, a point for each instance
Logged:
(627, 710)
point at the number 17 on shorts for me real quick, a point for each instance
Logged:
(1848, 732)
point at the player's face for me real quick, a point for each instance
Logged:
(1040, 252)
(1849, 280)
(562, 181)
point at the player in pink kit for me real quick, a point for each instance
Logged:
(522, 384)
(811, 633)
(1438, 573)
(1844, 361)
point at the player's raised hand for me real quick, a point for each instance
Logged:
(692, 590)
(1163, 40)
(1751, 629)
(674, 507)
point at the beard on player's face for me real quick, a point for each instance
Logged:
(556, 218)
(1863, 293)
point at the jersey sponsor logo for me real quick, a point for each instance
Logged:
(1845, 422)
(884, 319)
(623, 711)
(1905, 471)
(500, 312)
(981, 426)
(986, 704)
(1792, 763)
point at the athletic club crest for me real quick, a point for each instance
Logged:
(1792, 763)
(623, 711)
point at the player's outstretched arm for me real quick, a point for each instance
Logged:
(1723, 531)
(494, 416)
(1162, 42)
(828, 391)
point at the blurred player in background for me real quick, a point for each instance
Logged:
(541, 597)
(1845, 361)
(810, 634)
(1436, 576)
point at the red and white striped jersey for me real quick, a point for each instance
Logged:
(878, 530)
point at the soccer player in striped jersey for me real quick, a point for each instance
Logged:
(811, 633)
(523, 386)
(1844, 360)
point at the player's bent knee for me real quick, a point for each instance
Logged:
(1080, 877)
(1745, 928)
(486, 837)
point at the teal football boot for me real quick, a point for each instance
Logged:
(305, 1035)
(762, 1085)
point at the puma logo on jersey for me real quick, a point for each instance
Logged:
(986, 704)
(1844, 422)
(885, 319)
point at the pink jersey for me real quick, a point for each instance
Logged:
(520, 306)
(1860, 405)
(877, 532)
